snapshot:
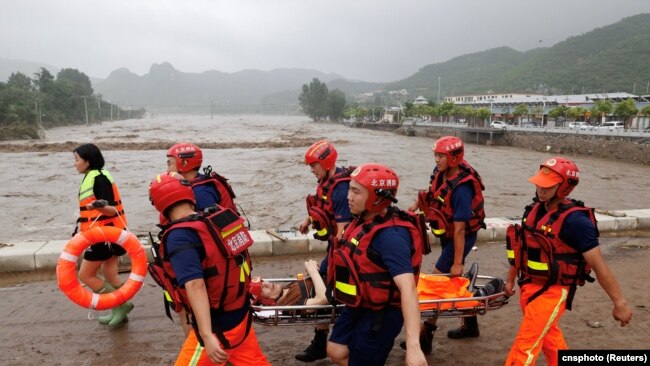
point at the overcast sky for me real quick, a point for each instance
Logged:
(370, 40)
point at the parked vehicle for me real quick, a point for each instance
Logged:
(609, 126)
(578, 125)
(498, 124)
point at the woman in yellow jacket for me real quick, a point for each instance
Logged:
(100, 204)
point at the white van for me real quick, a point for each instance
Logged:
(578, 125)
(610, 126)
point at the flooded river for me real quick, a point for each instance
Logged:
(262, 156)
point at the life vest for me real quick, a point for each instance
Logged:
(540, 256)
(356, 272)
(88, 218)
(226, 266)
(321, 208)
(220, 183)
(436, 202)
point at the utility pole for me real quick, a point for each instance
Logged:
(86, 109)
(438, 90)
(111, 112)
(99, 109)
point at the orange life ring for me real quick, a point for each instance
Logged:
(66, 267)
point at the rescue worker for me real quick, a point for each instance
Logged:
(374, 270)
(328, 213)
(193, 258)
(453, 206)
(552, 252)
(209, 188)
(100, 204)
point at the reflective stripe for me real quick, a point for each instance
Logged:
(197, 355)
(438, 231)
(531, 356)
(346, 288)
(123, 236)
(167, 296)
(226, 233)
(244, 272)
(538, 266)
(354, 241)
(511, 254)
(322, 232)
(136, 277)
(69, 257)
(94, 300)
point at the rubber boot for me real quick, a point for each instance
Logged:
(427, 331)
(119, 313)
(106, 288)
(317, 349)
(468, 328)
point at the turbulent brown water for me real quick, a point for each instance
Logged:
(262, 155)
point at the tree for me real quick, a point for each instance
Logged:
(625, 110)
(575, 112)
(313, 99)
(79, 80)
(520, 110)
(601, 109)
(20, 81)
(335, 104)
(559, 111)
(483, 114)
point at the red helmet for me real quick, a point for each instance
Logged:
(451, 146)
(168, 188)
(381, 181)
(322, 152)
(188, 152)
(566, 169)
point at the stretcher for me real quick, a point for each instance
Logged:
(439, 308)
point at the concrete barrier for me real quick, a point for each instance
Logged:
(43, 255)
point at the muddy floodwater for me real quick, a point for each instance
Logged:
(262, 156)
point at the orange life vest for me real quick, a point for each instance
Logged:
(540, 256)
(356, 273)
(88, 218)
(436, 202)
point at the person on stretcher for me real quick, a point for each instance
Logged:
(312, 290)
(304, 291)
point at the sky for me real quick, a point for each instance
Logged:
(369, 40)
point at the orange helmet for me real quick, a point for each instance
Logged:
(451, 146)
(566, 173)
(169, 188)
(188, 152)
(381, 181)
(322, 152)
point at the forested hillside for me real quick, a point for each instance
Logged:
(609, 59)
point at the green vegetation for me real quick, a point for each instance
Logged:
(608, 59)
(318, 102)
(28, 105)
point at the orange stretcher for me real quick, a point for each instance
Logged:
(431, 305)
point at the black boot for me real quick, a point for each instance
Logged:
(317, 349)
(426, 338)
(468, 328)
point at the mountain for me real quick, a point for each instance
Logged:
(164, 87)
(9, 66)
(611, 58)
